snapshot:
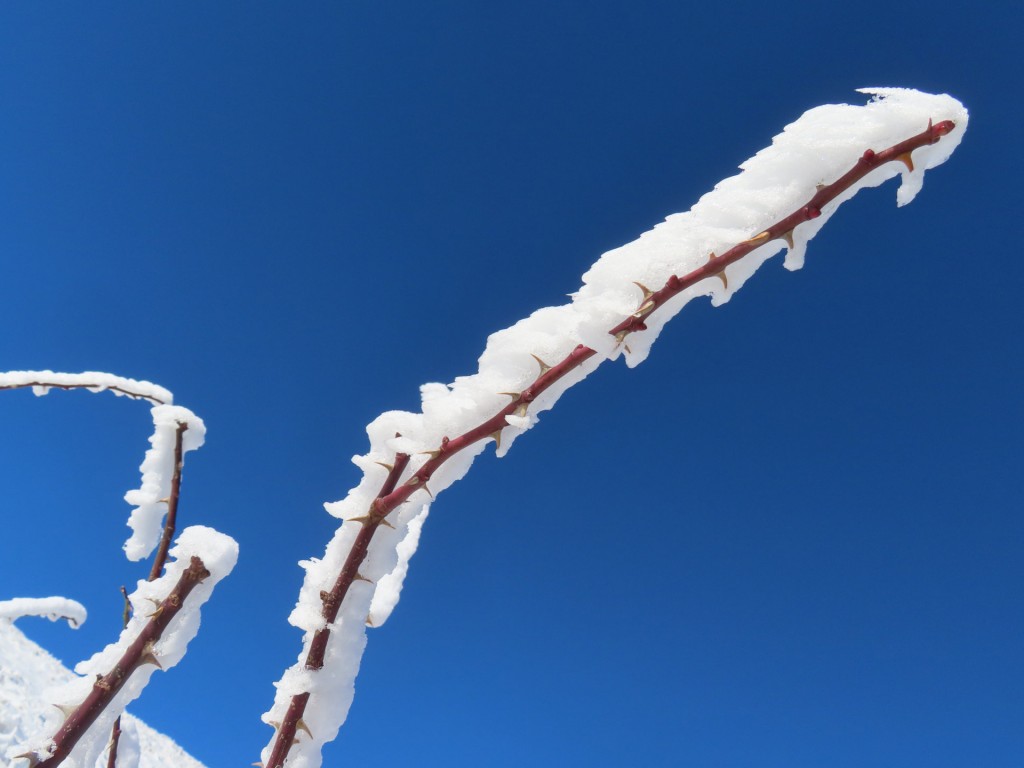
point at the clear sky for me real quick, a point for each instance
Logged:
(793, 537)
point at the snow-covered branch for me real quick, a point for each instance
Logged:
(52, 608)
(166, 618)
(783, 197)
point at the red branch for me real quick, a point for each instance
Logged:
(391, 497)
(107, 686)
(332, 601)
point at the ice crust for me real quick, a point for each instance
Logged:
(816, 149)
(219, 554)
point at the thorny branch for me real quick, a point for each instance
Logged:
(391, 497)
(141, 651)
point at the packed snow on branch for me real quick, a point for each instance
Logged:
(815, 150)
(150, 499)
(218, 554)
(52, 608)
(42, 382)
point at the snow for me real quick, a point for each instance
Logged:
(816, 149)
(150, 498)
(52, 608)
(27, 673)
(94, 381)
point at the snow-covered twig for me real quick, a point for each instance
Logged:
(52, 608)
(42, 382)
(711, 250)
(116, 676)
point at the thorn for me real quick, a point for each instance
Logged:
(275, 724)
(647, 291)
(149, 657)
(369, 621)
(628, 350)
(294, 742)
(388, 467)
(364, 519)
(31, 756)
(432, 454)
(544, 367)
(497, 438)
(360, 577)
(620, 336)
(301, 726)
(647, 306)
(819, 187)
(906, 160)
(720, 274)
(257, 765)
(788, 237)
(513, 395)
(384, 521)
(758, 239)
(521, 410)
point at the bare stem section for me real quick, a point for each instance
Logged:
(392, 495)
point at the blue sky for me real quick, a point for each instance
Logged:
(294, 216)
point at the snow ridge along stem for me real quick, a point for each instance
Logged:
(392, 495)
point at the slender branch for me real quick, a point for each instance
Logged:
(115, 731)
(91, 387)
(107, 686)
(170, 521)
(332, 601)
(391, 497)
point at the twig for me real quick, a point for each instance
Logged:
(91, 387)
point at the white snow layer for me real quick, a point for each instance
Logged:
(150, 499)
(818, 148)
(52, 608)
(94, 381)
(219, 554)
(28, 673)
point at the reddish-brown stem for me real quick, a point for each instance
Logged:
(332, 601)
(49, 385)
(391, 497)
(170, 521)
(115, 738)
(138, 653)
